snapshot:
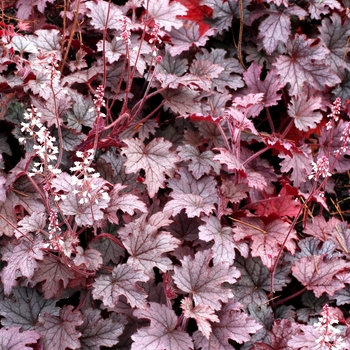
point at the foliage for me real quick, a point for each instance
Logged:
(170, 174)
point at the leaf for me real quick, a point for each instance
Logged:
(122, 281)
(97, 331)
(254, 283)
(82, 112)
(232, 69)
(201, 313)
(24, 260)
(192, 195)
(299, 162)
(46, 40)
(224, 243)
(317, 8)
(193, 205)
(24, 308)
(188, 35)
(90, 258)
(59, 332)
(155, 159)
(55, 274)
(101, 11)
(304, 111)
(204, 282)
(165, 13)
(274, 29)
(229, 159)
(147, 245)
(318, 273)
(123, 201)
(109, 249)
(304, 63)
(12, 339)
(199, 163)
(234, 324)
(162, 333)
(334, 33)
(269, 87)
(267, 237)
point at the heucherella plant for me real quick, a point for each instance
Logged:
(174, 174)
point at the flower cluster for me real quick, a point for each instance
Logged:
(84, 178)
(44, 146)
(320, 168)
(334, 115)
(330, 337)
(126, 33)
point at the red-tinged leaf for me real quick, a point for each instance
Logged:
(304, 111)
(299, 162)
(193, 205)
(317, 9)
(125, 202)
(234, 324)
(322, 229)
(23, 260)
(12, 339)
(7, 226)
(155, 159)
(334, 33)
(59, 332)
(204, 282)
(109, 248)
(318, 274)
(197, 13)
(229, 159)
(269, 87)
(282, 205)
(304, 63)
(147, 245)
(230, 76)
(186, 36)
(24, 307)
(256, 180)
(122, 281)
(162, 334)
(201, 313)
(240, 119)
(267, 237)
(165, 13)
(224, 243)
(200, 163)
(54, 274)
(100, 11)
(32, 223)
(97, 331)
(182, 101)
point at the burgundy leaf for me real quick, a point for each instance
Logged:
(204, 282)
(59, 332)
(162, 334)
(55, 274)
